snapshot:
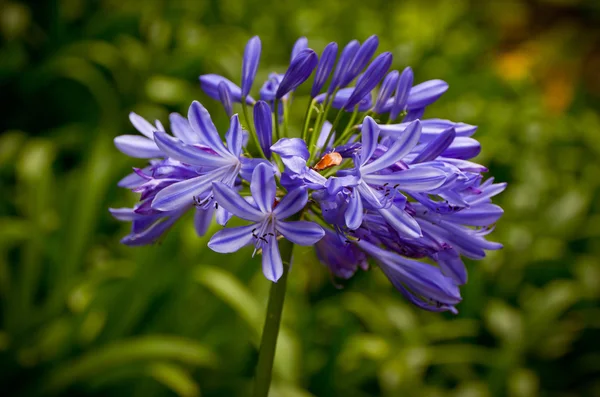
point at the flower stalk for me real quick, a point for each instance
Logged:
(268, 343)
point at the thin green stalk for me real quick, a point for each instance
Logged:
(277, 134)
(307, 116)
(268, 343)
(335, 123)
(285, 118)
(251, 129)
(347, 131)
(319, 125)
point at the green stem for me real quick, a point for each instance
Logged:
(285, 118)
(266, 354)
(307, 116)
(251, 129)
(333, 126)
(277, 134)
(348, 130)
(319, 125)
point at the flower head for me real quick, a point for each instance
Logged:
(360, 191)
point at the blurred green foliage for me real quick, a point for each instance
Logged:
(83, 315)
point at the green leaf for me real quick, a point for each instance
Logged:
(128, 351)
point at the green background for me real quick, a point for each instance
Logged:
(83, 315)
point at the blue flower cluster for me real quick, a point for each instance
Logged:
(377, 182)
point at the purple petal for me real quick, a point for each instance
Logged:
(414, 114)
(202, 220)
(489, 191)
(291, 203)
(403, 223)
(123, 214)
(464, 165)
(354, 213)
(480, 215)
(250, 64)
(343, 64)
(269, 89)
(137, 146)
(423, 280)
(361, 59)
(370, 135)
(263, 122)
(368, 195)
(223, 216)
(271, 261)
(185, 153)
(301, 232)
(230, 199)
(436, 146)
(312, 177)
(432, 127)
(404, 143)
(342, 96)
(202, 123)
(463, 148)
(210, 85)
(451, 265)
(324, 68)
(299, 45)
(402, 92)
(248, 166)
(225, 98)
(372, 76)
(232, 239)
(463, 239)
(142, 125)
(263, 187)
(181, 194)
(426, 93)
(291, 147)
(335, 184)
(323, 135)
(295, 164)
(300, 69)
(418, 179)
(151, 234)
(133, 180)
(181, 129)
(234, 136)
(387, 89)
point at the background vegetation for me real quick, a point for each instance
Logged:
(83, 315)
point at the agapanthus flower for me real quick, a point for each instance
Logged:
(383, 185)
(268, 217)
(215, 161)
